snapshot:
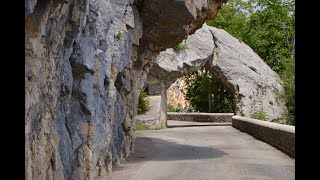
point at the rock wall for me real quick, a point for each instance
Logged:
(176, 93)
(253, 83)
(85, 63)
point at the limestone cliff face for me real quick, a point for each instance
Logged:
(253, 83)
(176, 94)
(85, 63)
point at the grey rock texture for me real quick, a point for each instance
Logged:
(253, 83)
(29, 6)
(85, 63)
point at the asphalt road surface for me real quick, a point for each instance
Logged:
(201, 152)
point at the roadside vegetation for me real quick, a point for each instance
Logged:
(143, 102)
(142, 127)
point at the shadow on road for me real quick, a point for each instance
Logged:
(157, 149)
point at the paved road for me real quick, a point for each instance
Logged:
(201, 153)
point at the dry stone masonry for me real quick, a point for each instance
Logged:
(85, 63)
(201, 117)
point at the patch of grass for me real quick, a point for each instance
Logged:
(260, 114)
(286, 119)
(141, 127)
(119, 35)
(181, 46)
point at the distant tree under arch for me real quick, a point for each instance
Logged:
(205, 94)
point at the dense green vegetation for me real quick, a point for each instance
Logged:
(268, 27)
(143, 102)
(205, 94)
(172, 108)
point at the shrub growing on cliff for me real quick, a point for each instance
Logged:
(143, 102)
(260, 114)
(180, 47)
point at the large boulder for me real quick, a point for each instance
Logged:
(255, 86)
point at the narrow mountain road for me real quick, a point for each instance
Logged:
(201, 153)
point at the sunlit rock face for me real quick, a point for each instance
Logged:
(85, 63)
(234, 64)
(176, 94)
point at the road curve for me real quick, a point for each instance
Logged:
(201, 153)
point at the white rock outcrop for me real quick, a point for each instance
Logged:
(254, 84)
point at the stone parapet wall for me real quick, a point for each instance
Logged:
(278, 135)
(201, 117)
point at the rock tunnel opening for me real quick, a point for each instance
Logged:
(172, 91)
(229, 62)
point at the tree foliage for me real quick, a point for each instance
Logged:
(205, 94)
(288, 79)
(268, 27)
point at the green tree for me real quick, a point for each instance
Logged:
(205, 94)
(288, 79)
(268, 27)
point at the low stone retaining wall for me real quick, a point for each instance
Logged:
(278, 135)
(201, 117)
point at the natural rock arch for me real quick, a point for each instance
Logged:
(255, 86)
